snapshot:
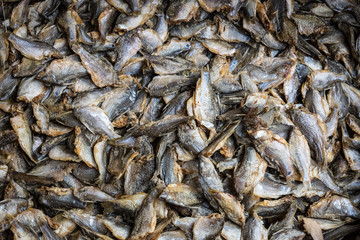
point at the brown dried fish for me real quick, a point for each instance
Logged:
(190, 119)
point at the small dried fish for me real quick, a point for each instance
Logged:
(96, 120)
(33, 50)
(189, 119)
(275, 149)
(21, 126)
(314, 130)
(249, 172)
(102, 72)
(208, 227)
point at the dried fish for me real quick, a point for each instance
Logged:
(275, 149)
(189, 119)
(300, 153)
(208, 227)
(33, 50)
(249, 172)
(182, 195)
(314, 130)
(254, 228)
(21, 126)
(96, 120)
(102, 72)
(125, 23)
(62, 71)
(233, 209)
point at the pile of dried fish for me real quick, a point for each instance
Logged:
(180, 119)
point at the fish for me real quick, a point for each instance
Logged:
(96, 120)
(232, 208)
(106, 19)
(209, 179)
(31, 89)
(138, 175)
(211, 5)
(102, 72)
(182, 195)
(119, 229)
(150, 40)
(73, 25)
(172, 235)
(7, 84)
(34, 50)
(59, 198)
(121, 6)
(327, 208)
(185, 31)
(21, 126)
(86, 221)
(274, 148)
(201, 230)
(53, 169)
(316, 104)
(220, 140)
(230, 32)
(160, 127)
(126, 23)
(170, 170)
(164, 65)
(82, 147)
(218, 47)
(21, 232)
(288, 234)
(231, 231)
(162, 27)
(269, 188)
(254, 228)
(205, 105)
(249, 172)
(128, 45)
(91, 194)
(259, 34)
(349, 148)
(63, 153)
(90, 97)
(124, 97)
(322, 79)
(182, 11)
(62, 71)
(166, 84)
(100, 157)
(300, 153)
(10, 208)
(145, 220)
(305, 121)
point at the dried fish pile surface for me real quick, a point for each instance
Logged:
(180, 119)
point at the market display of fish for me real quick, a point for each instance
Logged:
(180, 119)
